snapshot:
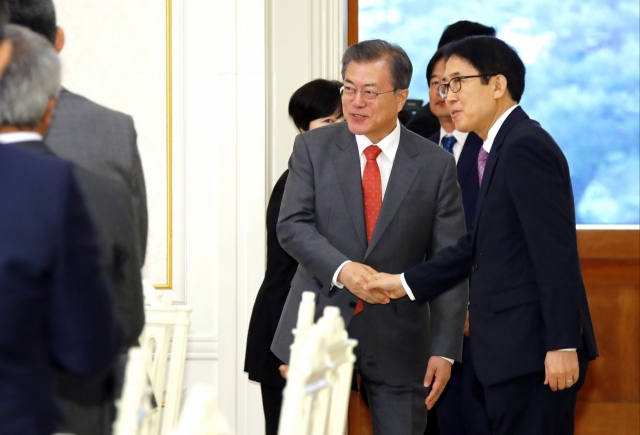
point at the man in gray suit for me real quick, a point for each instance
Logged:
(28, 90)
(369, 195)
(90, 135)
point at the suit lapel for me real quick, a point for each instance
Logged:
(516, 116)
(403, 173)
(347, 164)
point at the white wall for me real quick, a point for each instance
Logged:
(234, 64)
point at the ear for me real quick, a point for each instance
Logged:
(500, 87)
(5, 54)
(401, 98)
(46, 119)
(59, 45)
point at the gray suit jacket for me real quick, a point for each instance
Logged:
(321, 225)
(103, 141)
(87, 404)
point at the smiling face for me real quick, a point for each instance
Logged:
(474, 106)
(378, 118)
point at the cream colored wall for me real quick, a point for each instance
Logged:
(234, 64)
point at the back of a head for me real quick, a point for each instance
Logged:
(37, 15)
(491, 56)
(30, 80)
(463, 29)
(375, 49)
(314, 100)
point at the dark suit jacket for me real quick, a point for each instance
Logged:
(108, 202)
(424, 122)
(104, 141)
(57, 309)
(321, 224)
(527, 293)
(260, 363)
(467, 167)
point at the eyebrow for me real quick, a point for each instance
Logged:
(364, 86)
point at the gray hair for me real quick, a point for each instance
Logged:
(376, 49)
(31, 79)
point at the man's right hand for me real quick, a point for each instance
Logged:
(354, 276)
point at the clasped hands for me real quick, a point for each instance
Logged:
(370, 285)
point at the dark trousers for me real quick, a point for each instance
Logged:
(461, 408)
(271, 404)
(395, 410)
(524, 406)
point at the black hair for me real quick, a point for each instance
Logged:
(317, 99)
(439, 54)
(491, 56)
(36, 15)
(463, 29)
(376, 49)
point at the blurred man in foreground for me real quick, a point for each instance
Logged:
(30, 85)
(57, 310)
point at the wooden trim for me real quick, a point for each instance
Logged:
(609, 244)
(352, 16)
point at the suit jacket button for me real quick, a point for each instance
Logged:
(474, 267)
(317, 281)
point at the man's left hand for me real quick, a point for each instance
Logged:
(438, 374)
(561, 369)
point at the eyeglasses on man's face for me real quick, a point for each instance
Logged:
(455, 84)
(369, 96)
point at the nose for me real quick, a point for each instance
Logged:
(451, 97)
(358, 100)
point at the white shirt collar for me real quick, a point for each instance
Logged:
(19, 136)
(388, 145)
(495, 128)
(460, 136)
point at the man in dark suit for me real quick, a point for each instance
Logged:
(33, 75)
(461, 409)
(368, 194)
(530, 325)
(425, 122)
(83, 132)
(57, 309)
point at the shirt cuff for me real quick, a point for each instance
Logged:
(568, 350)
(335, 282)
(406, 288)
(447, 359)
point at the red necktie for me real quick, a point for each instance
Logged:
(372, 192)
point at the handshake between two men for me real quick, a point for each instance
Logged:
(370, 285)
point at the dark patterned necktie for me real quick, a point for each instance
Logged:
(448, 142)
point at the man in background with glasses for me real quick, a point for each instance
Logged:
(530, 325)
(369, 195)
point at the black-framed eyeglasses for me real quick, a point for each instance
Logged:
(367, 95)
(455, 84)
